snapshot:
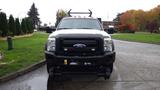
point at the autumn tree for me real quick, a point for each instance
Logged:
(117, 19)
(59, 15)
(140, 20)
(127, 21)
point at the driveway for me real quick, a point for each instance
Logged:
(137, 67)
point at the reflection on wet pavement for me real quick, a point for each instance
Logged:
(93, 83)
(136, 68)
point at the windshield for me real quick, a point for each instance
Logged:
(79, 23)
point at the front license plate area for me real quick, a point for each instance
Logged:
(80, 63)
(73, 63)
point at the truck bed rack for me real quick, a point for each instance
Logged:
(90, 13)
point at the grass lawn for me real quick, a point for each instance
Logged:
(27, 51)
(138, 37)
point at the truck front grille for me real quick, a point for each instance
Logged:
(79, 46)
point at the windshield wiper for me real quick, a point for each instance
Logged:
(86, 28)
(63, 28)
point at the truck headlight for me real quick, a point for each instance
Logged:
(51, 44)
(107, 44)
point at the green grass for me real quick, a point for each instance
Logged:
(138, 37)
(27, 51)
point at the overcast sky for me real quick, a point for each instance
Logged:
(106, 9)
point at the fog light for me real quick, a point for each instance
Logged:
(65, 49)
(93, 49)
(65, 62)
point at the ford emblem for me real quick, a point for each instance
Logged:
(79, 45)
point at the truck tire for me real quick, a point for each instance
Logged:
(111, 68)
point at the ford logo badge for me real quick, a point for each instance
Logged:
(79, 45)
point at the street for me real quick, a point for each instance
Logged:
(137, 67)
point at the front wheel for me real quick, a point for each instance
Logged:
(48, 68)
(111, 67)
(107, 71)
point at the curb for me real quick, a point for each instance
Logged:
(21, 72)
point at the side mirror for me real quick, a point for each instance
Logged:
(105, 29)
(100, 20)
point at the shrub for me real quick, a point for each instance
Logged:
(12, 26)
(129, 28)
(3, 25)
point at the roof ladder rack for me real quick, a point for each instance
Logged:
(90, 13)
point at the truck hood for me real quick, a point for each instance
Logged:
(79, 32)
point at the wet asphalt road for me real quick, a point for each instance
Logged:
(137, 67)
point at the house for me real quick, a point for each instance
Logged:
(108, 24)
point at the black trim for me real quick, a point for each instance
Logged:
(79, 57)
(64, 42)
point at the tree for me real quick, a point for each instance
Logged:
(152, 26)
(12, 26)
(24, 26)
(18, 27)
(117, 19)
(127, 22)
(29, 25)
(140, 20)
(3, 25)
(33, 14)
(60, 14)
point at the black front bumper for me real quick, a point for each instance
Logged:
(101, 65)
(54, 60)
